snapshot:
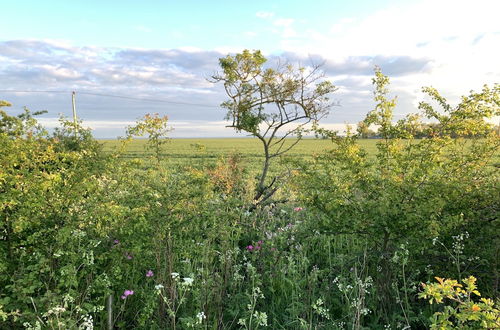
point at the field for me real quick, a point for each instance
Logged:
(188, 150)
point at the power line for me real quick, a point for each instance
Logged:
(150, 100)
(116, 96)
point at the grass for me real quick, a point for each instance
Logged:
(182, 150)
(207, 150)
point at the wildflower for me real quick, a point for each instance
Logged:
(127, 293)
(200, 316)
(128, 256)
(260, 243)
(188, 280)
(476, 308)
(115, 242)
(159, 286)
(298, 209)
(257, 247)
(250, 247)
(149, 273)
(175, 275)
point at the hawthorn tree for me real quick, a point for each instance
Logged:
(273, 105)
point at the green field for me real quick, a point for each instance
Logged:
(179, 150)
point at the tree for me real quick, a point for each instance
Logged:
(272, 104)
(156, 129)
(364, 131)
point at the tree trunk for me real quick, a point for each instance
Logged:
(261, 187)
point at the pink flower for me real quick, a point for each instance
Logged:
(149, 273)
(128, 256)
(260, 243)
(257, 247)
(116, 242)
(298, 209)
(127, 293)
(249, 248)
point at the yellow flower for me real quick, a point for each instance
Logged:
(476, 308)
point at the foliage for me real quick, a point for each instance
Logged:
(228, 175)
(156, 129)
(409, 193)
(72, 136)
(23, 124)
(464, 312)
(51, 246)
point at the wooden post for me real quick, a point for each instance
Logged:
(110, 312)
(73, 102)
(74, 107)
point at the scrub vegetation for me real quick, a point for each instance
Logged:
(398, 232)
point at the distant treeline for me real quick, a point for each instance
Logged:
(424, 130)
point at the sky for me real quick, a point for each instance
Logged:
(128, 58)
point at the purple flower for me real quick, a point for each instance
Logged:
(149, 273)
(249, 248)
(115, 242)
(127, 293)
(260, 243)
(128, 256)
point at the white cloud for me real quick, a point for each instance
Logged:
(287, 31)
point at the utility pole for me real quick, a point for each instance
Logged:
(74, 106)
(73, 102)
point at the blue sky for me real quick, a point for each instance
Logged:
(169, 24)
(166, 49)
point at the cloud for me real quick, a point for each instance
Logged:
(395, 65)
(29, 63)
(286, 28)
(452, 61)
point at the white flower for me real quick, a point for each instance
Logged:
(200, 316)
(188, 280)
(159, 286)
(175, 275)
